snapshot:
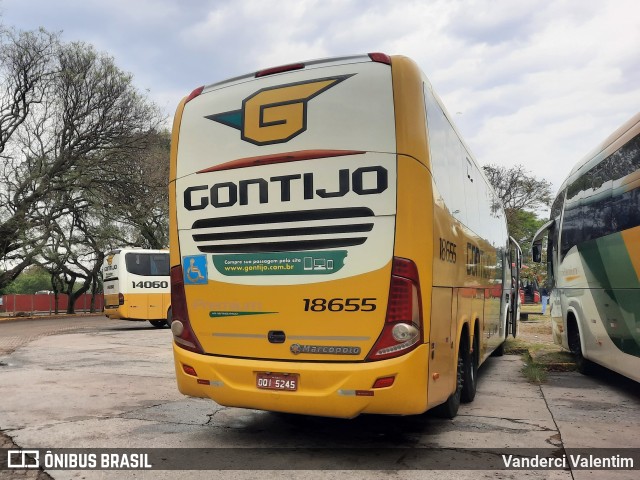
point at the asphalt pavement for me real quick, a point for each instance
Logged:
(112, 385)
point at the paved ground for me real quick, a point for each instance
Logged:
(114, 387)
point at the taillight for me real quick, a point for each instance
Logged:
(194, 94)
(380, 58)
(280, 69)
(402, 331)
(120, 299)
(180, 326)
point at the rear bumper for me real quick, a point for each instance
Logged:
(112, 313)
(118, 314)
(325, 389)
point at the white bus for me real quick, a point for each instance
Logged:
(136, 285)
(593, 255)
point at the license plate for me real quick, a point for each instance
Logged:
(277, 381)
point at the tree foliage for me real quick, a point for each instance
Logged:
(82, 161)
(26, 72)
(518, 189)
(522, 195)
(32, 280)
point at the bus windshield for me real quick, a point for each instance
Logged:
(147, 264)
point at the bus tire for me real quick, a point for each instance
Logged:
(583, 365)
(158, 323)
(470, 370)
(449, 409)
(498, 352)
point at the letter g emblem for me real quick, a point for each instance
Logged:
(276, 114)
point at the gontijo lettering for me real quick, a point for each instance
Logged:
(362, 181)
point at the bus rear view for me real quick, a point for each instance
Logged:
(296, 266)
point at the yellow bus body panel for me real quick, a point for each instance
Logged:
(140, 306)
(325, 389)
(258, 310)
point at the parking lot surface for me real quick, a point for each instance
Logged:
(112, 385)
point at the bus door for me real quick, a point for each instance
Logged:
(111, 282)
(551, 231)
(515, 254)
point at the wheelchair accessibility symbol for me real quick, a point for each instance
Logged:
(195, 270)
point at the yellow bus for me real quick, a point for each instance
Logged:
(593, 255)
(136, 285)
(335, 249)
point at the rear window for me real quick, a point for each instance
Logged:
(147, 264)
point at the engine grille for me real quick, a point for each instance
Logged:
(284, 231)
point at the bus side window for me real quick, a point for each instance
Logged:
(160, 264)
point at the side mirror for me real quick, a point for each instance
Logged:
(537, 252)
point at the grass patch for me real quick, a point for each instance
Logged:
(533, 371)
(518, 346)
(535, 345)
(540, 360)
(554, 361)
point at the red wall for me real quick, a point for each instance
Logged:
(46, 303)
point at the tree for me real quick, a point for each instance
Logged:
(88, 121)
(136, 196)
(97, 124)
(518, 189)
(26, 71)
(523, 226)
(521, 195)
(70, 258)
(31, 280)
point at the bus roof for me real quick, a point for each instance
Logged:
(619, 137)
(322, 62)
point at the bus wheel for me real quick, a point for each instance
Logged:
(158, 323)
(470, 371)
(584, 366)
(449, 409)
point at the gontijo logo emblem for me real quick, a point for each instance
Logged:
(276, 114)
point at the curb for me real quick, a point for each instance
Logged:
(48, 316)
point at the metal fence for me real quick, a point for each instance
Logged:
(45, 303)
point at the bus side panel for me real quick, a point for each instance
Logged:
(135, 306)
(618, 302)
(606, 321)
(449, 256)
(166, 304)
(414, 236)
(156, 306)
(442, 373)
(607, 312)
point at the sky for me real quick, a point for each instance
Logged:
(538, 83)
